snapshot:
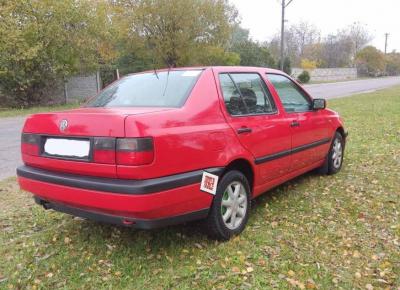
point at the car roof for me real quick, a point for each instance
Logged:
(223, 68)
(246, 69)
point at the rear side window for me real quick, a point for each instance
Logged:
(293, 99)
(246, 94)
(156, 89)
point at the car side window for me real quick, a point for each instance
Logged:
(293, 99)
(246, 94)
(232, 99)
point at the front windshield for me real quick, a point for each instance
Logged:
(154, 89)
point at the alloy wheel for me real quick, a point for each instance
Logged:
(337, 151)
(234, 205)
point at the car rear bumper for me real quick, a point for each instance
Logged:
(139, 203)
(122, 220)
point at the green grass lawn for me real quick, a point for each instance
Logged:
(316, 232)
(7, 112)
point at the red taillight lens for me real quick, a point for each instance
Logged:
(122, 151)
(30, 144)
(104, 150)
(135, 151)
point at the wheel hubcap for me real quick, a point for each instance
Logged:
(234, 205)
(337, 153)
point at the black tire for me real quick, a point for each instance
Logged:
(331, 164)
(215, 226)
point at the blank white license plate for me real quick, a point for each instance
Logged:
(67, 147)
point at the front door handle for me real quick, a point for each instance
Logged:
(244, 130)
(295, 124)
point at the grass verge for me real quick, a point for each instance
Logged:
(7, 112)
(337, 81)
(315, 232)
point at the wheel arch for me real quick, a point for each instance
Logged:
(342, 132)
(245, 167)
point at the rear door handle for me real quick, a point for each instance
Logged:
(244, 130)
(295, 124)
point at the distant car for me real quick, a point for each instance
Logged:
(171, 146)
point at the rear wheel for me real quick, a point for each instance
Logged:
(230, 208)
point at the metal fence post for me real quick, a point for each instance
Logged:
(66, 90)
(98, 81)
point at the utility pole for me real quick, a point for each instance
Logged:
(284, 5)
(386, 40)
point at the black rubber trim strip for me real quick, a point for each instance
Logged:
(272, 156)
(292, 151)
(123, 186)
(121, 220)
(311, 145)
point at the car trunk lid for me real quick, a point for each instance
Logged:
(90, 122)
(65, 140)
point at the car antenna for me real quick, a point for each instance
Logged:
(155, 72)
(166, 83)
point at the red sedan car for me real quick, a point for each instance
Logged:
(170, 146)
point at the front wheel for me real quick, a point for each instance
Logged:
(230, 208)
(334, 160)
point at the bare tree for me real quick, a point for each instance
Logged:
(357, 37)
(303, 40)
(336, 51)
(304, 34)
(297, 38)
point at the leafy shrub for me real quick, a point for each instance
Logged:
(304, 77)
(370, 61)
(307, 64)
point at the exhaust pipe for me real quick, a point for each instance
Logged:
(46, 205)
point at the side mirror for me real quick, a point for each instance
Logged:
(318, 104)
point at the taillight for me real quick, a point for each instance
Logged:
(30, 144)
(104, 150)
(134, 151)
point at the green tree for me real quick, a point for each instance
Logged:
(133, 55)
(214, 55)
(393, 63)
(370, 61)
(239, 34)
(180, 32)
(251, 53)
(42, 42)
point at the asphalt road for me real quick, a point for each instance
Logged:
(10, 135)
(10, 128)
(344, 89)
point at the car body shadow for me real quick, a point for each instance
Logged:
(188, 234)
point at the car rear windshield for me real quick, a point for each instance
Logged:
(155, 89)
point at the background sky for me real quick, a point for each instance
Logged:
(262, 17)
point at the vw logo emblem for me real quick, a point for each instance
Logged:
(63, 125)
